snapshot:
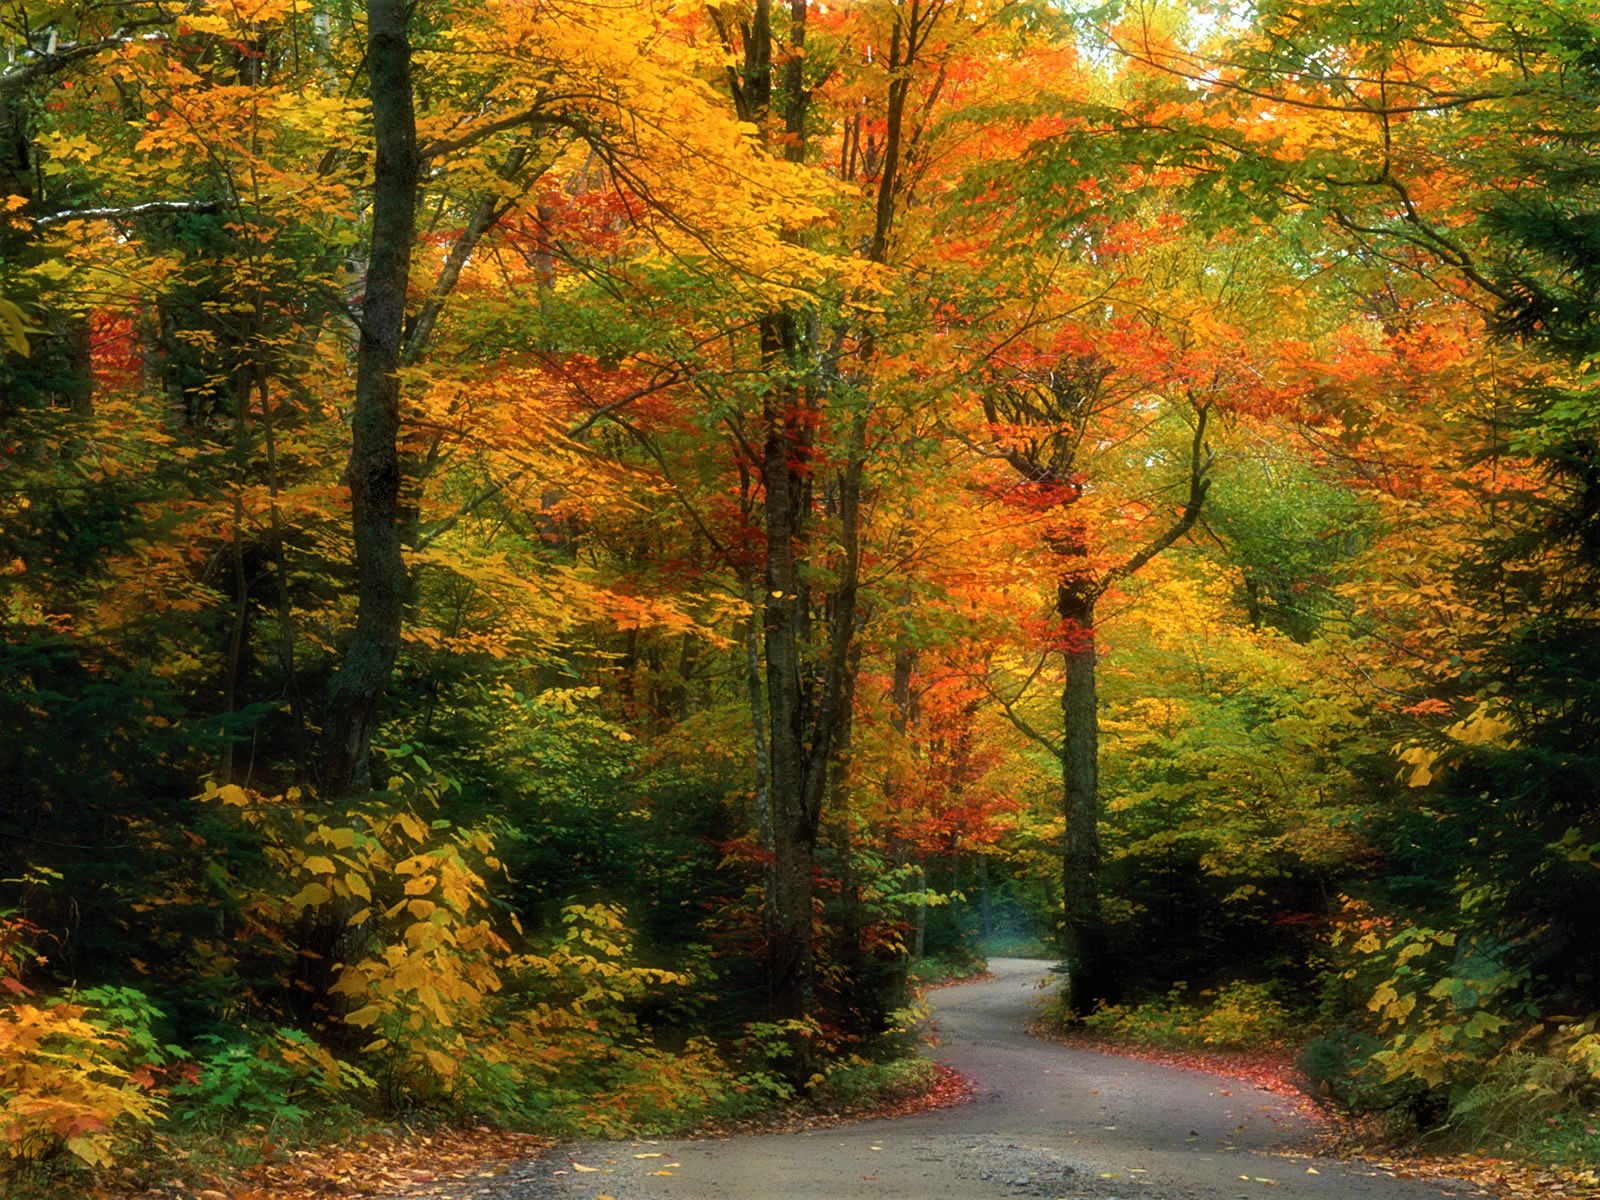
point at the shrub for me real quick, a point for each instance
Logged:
(1339, 1067)
(66, 1082)
(271, 1080)
(75, 1074)
(1237, 1014)
(858, 1083)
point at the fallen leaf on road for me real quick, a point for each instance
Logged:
(578, 1166)
(652, 1154)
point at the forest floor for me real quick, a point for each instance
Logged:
(1013, 1115)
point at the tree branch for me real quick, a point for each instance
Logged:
(47, 62)
(1018, 722)
(484, 495)
(129, 212)
(1200, 460)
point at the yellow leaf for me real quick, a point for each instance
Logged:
(364, 1016)
(444, 1066)
(89, 1150)
(233, 794)
(339, 839)
(312, 894)
(319, 864)
(13, 328)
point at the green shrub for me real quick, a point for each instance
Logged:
(859, 1083)
(1339, 1067)
(958, 963)
(1235, 1015)
(281, 1078)
(1517, 1098)
(1245, 1014)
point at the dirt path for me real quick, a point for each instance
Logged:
(1048, 1121)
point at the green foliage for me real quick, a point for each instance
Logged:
(280, 1078)
(1527, 1098)
(576, 1058)
(1452, 1037)
(1237, 1014)
(959, 963)
(1338, 1064)
(857, 1082)
(1234, 776)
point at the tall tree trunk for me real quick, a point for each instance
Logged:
(789, 694)
(1083, 942)
(373, 474)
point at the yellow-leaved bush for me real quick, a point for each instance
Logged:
(449, 1011)
(583, 1060)
(65, 1084)
(418, 955)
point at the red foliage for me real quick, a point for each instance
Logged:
(114, 353)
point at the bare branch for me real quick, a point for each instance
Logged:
(129, 212)
(1018, 721)
(42, 64)
(1200, 460)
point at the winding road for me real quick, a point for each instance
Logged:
(1048, 1120)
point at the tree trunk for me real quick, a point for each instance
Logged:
(783, 636)
(373, 474)
(1083, 943)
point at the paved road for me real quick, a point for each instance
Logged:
(1049, 1121)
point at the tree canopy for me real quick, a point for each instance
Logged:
(554, 557)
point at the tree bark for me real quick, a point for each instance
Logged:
(1083, 940)
(373, 473)
(784, 636)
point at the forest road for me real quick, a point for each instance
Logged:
(1048, 1120)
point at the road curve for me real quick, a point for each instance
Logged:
(1048, 1120)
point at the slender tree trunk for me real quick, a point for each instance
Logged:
(373, 474)
(1083, 942)
(784, 635)
(985, 900)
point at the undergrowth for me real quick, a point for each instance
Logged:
(1234, 1015)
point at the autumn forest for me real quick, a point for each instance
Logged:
(559, 560)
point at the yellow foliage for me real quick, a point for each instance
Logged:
(62, 1084)
(13, 327)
